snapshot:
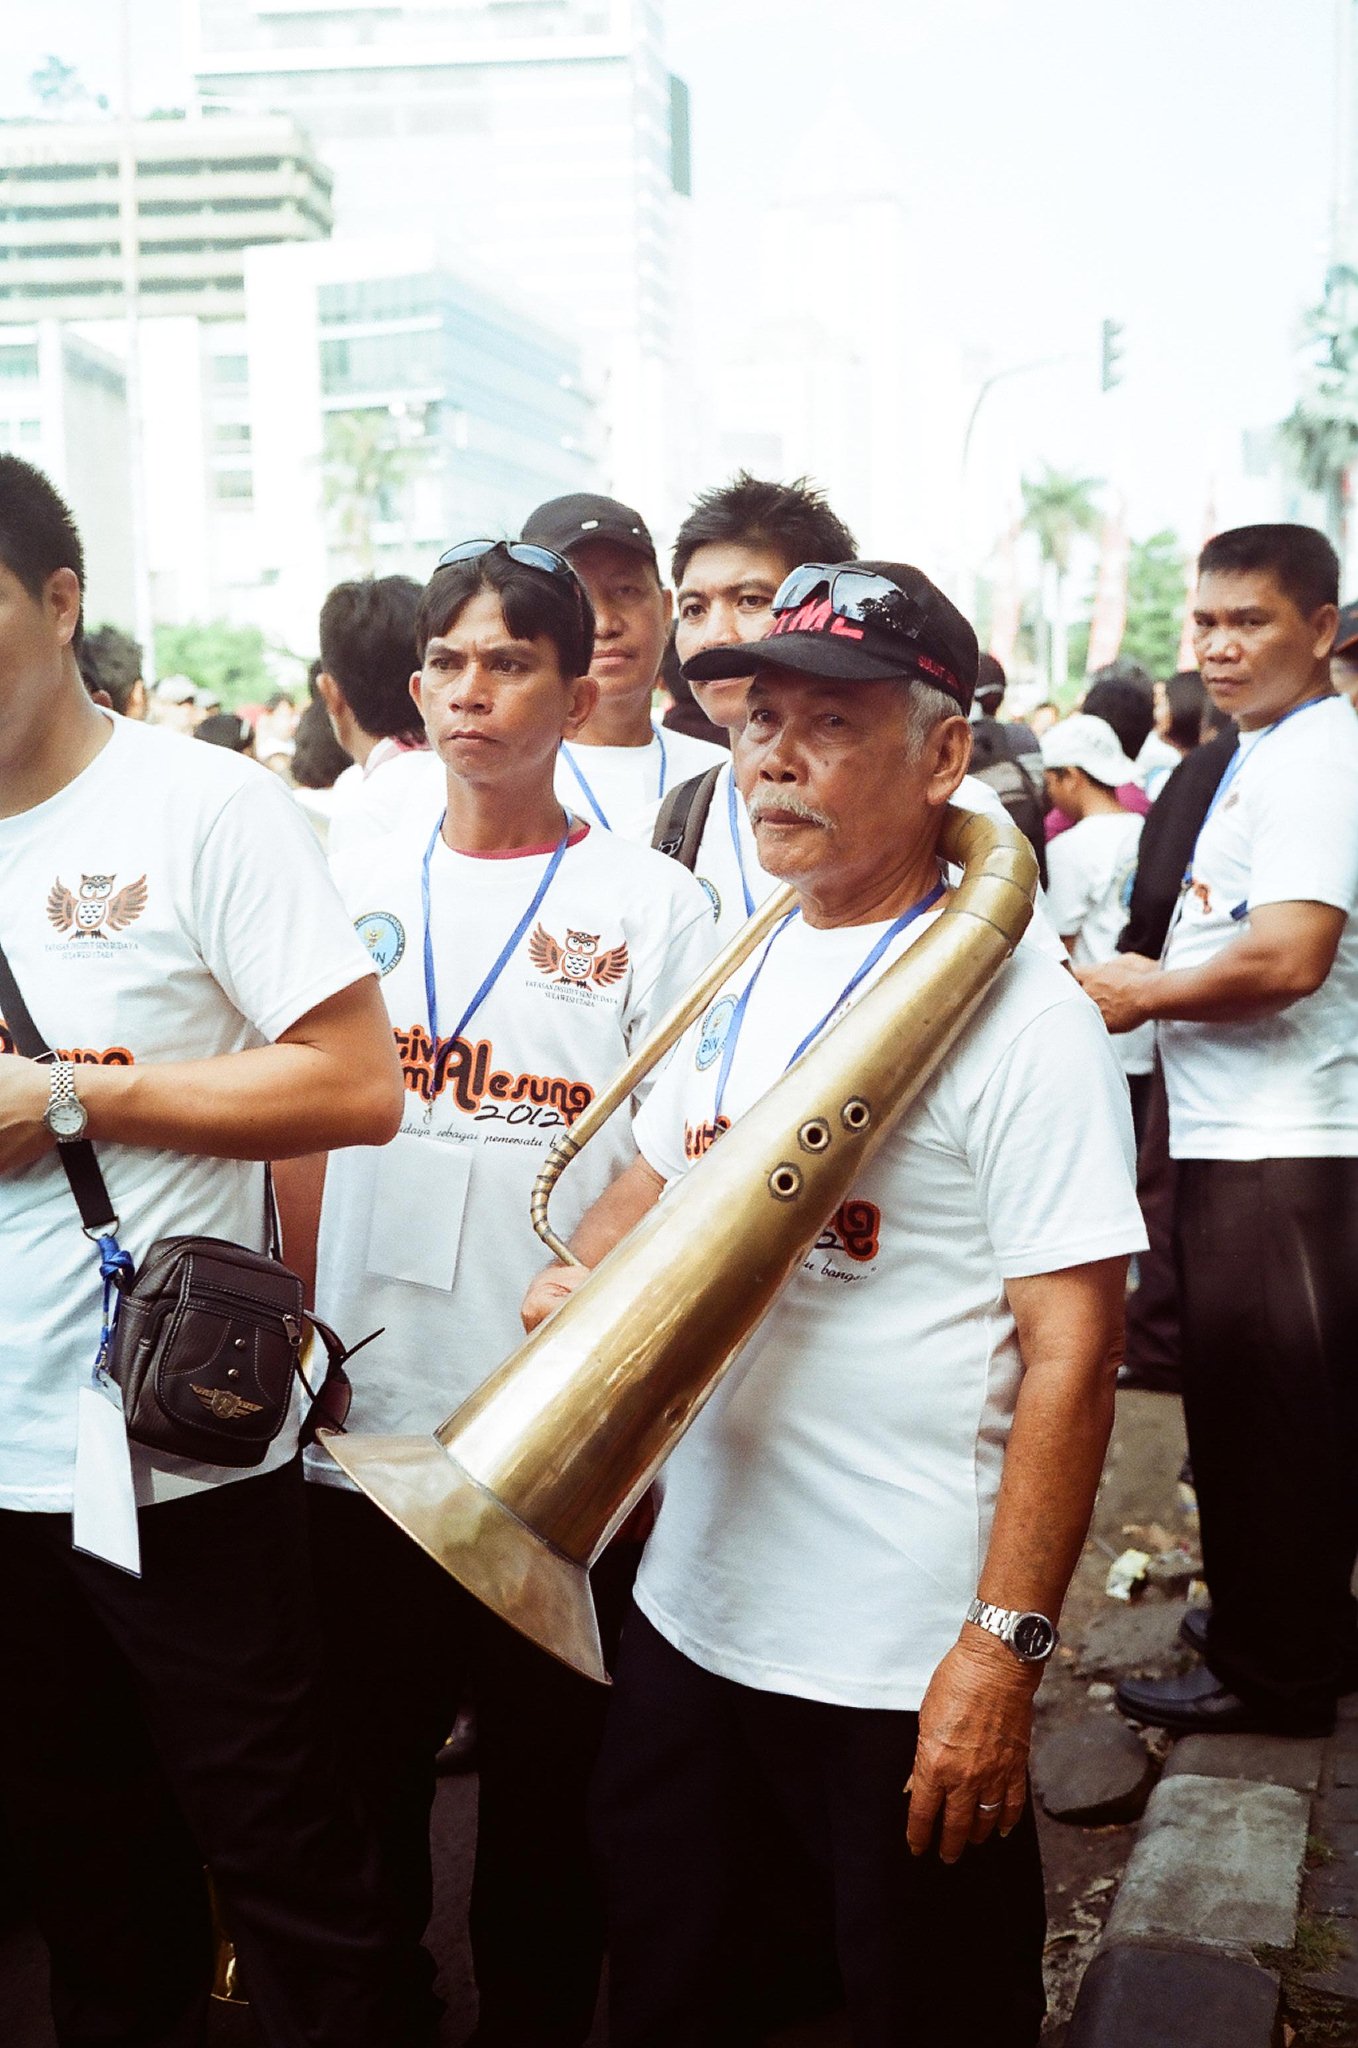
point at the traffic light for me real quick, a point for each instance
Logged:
(1110, 362)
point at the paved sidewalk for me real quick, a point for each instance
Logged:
(1236, 1924)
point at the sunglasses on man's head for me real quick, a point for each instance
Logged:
(857, 594)
(530, 556)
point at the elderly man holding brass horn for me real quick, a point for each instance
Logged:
(866, 1534)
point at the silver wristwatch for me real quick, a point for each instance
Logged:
(1030, 1636)
(65, 1115)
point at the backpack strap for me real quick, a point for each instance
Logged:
(682, 818)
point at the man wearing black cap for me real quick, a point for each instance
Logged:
(1344, 654)
(865, 1538)
(619, 766)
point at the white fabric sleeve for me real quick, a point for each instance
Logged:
(680, 941)
(270, 926)
(1049, 1138)
(1303, 826)
(658, 1127)
(1068, 891)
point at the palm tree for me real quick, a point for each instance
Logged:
(1320, 434)
(1056, 509)
(366, 466)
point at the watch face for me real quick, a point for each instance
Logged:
(1034, 1637)
(66, 1119)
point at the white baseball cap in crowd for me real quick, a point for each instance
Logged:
(1082, 741)
(176, 690)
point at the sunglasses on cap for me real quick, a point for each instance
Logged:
(530, 556)
(857, 594)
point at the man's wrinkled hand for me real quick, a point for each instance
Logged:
(1116, 987)
(24, 1136)
(971, 1763)
(548, 1291)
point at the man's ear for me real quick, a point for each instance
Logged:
(61, 597)
(417, 690)
(582, 694)
(951, 743)
(1325, 624)
(331, 695)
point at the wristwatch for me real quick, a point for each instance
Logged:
(1031, 1637)
(65, 1115)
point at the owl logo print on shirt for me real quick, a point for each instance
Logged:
(94, 911)
(577, 960)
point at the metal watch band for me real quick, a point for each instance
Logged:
(1016, 1627)
(62, 1098)
(997, 1621)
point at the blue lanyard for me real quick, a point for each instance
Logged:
(506, 951)
(1233, 767)
(893, 931)
(578, 772)
(733, 820)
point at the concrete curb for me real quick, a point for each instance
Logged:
(1215, 1877)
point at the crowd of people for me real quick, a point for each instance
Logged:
(353, 1001)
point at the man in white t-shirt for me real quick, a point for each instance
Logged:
(619, 766)
(1091, 868)
(173, 934)
(1255, 999)
(524, 952)
(864, 1540)
(367, 634)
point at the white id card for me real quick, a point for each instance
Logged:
(105, 1499)
(418, 1200)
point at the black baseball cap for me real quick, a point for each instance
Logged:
(565, 523)
(857, 622)
(1346, 633)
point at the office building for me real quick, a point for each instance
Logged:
(546, 139)
(206, 190)
(392, 404)
(63, 407)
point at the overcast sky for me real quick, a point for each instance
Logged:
(1167, 163)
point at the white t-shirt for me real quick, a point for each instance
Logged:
(1286, 831)
(824, 1520)
(1090, 872)
(722, 857)
(619, 937)
(212, 927)
(620, 788)
(1155, 764)
(396, 787)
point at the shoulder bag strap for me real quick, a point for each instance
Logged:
(97, 1213)
(682, 816)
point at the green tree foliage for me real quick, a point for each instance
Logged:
(1320, 434)
(1057, 509)
(1157, 586)
(366, 466)
(230, 660)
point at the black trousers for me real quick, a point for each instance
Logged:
(1153, 1307)
(407, 1646)
(1268, 1274)
(150, 1726)
(928, 1953)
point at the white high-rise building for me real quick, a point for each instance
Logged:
(546, 138)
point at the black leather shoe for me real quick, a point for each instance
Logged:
(1145, 1379)
(1199, 1704)
(1193, 1628)
(458, 1753)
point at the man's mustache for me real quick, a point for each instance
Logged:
(790, 805)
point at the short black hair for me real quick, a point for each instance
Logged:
(1186, 696)
(1300, 559)
(225, 729)
(535, 602)
(793, 520)
(991, 680)
(318, 759)
(111, 660)
(366, 631)
(37, 532)
(1125, 701)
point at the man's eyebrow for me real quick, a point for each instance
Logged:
(731, 589)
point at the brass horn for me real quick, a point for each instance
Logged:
(519, 1491)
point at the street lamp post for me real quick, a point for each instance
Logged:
(129, 229)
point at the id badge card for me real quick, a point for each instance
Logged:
(105, 1516)
(419, 1199)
